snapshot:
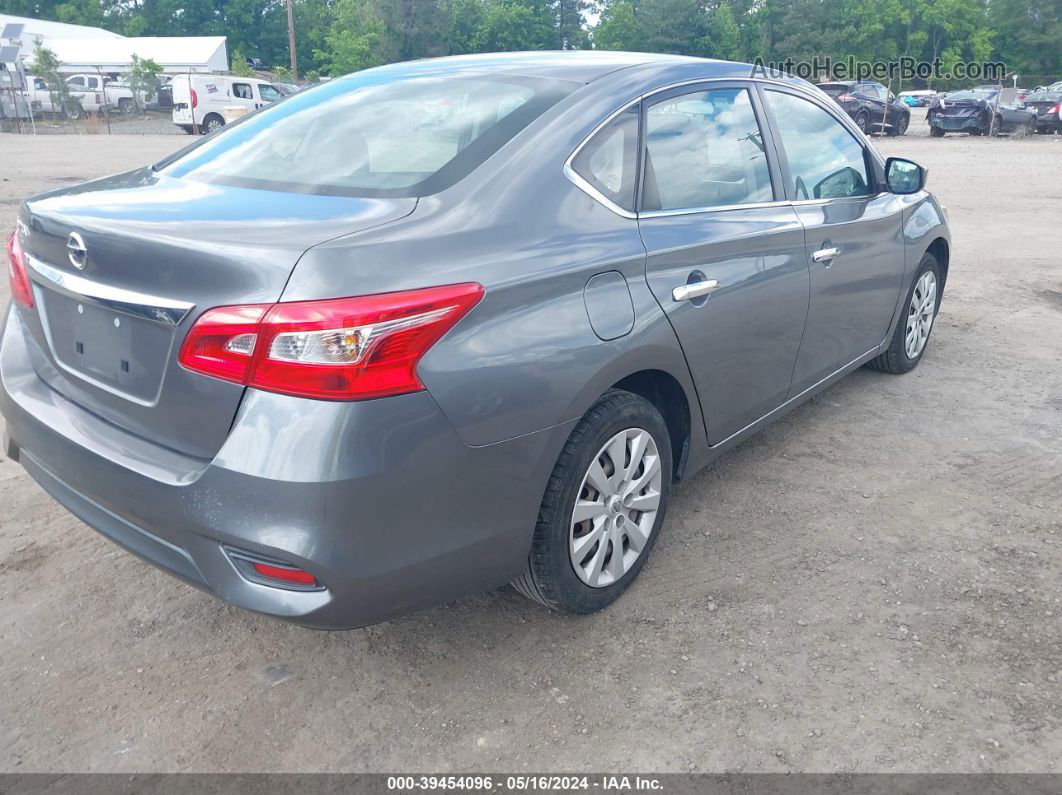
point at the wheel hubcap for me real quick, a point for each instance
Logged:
(616, 508)
(920, 314)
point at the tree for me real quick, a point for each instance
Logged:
(617, 27)
(143, 79)
(354, 41)
(46, 66)
(239, 65)
(725, 35)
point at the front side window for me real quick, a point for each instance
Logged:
(367, 135)
(704, 149)
(825, 160)
(609, 161)
(268, 92)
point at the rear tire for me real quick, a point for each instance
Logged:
(632, 426)
(862, 121)
(211, 123)
(900, 356)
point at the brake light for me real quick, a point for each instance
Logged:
(195, 98)
(335, 349)
(846, 98)
(16, 269)
(1057, 110)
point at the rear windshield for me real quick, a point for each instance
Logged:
(957, 96)
(1045, 96)
(364, 136)
(835, 90)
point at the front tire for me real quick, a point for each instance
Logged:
(603, 507)
(936, 132)
(911, 337)
(901, 125)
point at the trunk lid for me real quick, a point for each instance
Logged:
(158, 252)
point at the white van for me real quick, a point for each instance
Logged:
(199, 101)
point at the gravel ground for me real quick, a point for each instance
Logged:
(871, 584)
(150, 123)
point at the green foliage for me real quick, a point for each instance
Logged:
(46, 66)
(617, 28)
(143, 79)
(283, 73)
(239, 65)
(338, 36)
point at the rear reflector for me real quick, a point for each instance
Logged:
(336, 349)
(281, 574)
(16, 270)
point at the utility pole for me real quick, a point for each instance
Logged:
(291, 42)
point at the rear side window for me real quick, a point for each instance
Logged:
(703, 150)
(241, 90)
(367, 135)
(609, 161)
(825, 160)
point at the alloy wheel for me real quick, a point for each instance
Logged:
(616, 507)
(920, 314)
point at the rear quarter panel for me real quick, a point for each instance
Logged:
(526, 358)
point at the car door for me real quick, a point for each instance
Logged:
(725, 251)
(265, 93)
(852, 228)
(874, 101)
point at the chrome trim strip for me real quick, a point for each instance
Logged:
(603, 200)
(149, 307)
(581, 183)
(717, 209)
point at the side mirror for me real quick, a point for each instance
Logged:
(904, 177)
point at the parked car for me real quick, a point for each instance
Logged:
(199, 100)
(871, 105)
(1047, 105)
(332, 363)
(918, 98)
(978, 112)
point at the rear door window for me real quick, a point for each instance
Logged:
(609, 161)
(242, 91)
(704, 149)
(825, 159)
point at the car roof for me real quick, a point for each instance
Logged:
(582, 66)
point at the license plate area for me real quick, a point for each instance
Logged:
(112, 349)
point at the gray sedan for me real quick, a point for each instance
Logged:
(444, 325)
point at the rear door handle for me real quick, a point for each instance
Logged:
(694, 290)
(826, 254)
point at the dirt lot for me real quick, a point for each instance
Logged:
(872, 584)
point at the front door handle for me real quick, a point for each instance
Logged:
(826, 254)
(694, 290)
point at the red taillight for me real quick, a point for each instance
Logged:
(336, 349)
(195, 98)
(1057, 110)
(283, 574)
(845, 98)
(16, 268)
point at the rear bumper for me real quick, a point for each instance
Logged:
(380, 500)
(956, 123)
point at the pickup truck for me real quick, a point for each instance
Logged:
(118, 95)
(80, 101)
